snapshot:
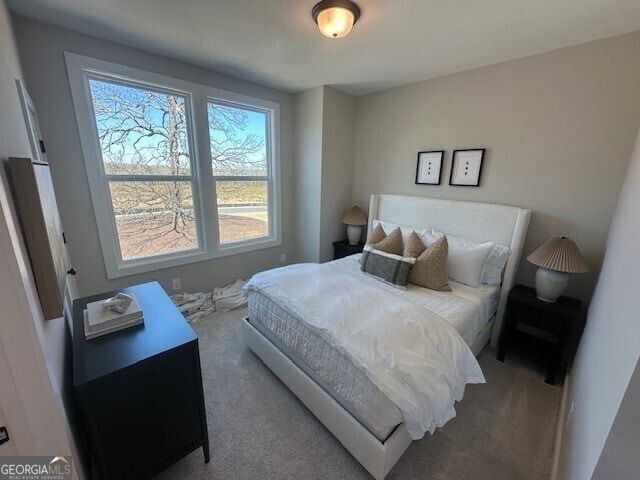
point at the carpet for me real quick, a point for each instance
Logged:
(258, 429)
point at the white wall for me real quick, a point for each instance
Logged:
(610, 346)
(619, 458)
(324, 139)
(338, 128)
(13, 134)
(558, 127)
(308, 172)
(30, 348)
(41, 48)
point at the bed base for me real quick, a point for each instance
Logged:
(483, 338)
(377, 457)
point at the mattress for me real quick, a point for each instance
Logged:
(467, 309)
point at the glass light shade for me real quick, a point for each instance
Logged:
(335, 22)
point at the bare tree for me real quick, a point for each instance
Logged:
(232, 150)
(143, 133)
(143, 137)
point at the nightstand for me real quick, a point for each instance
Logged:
(343, 249)
(559, 323)
(140, 389)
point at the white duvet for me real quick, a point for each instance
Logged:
(411, 354)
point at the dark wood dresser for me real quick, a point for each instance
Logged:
(140, 389)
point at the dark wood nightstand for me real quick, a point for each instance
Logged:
(140, 389)
(344, 249)
(560, 323)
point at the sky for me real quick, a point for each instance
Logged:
(105, 92)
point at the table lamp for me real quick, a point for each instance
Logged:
(556, 259)
(354, 218)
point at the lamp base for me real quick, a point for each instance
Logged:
(550, 284)
(353, 234)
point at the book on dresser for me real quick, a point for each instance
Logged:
(99, 320)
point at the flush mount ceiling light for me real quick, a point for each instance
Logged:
(335, 18)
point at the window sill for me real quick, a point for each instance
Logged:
(135, 267)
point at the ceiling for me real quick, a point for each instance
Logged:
(395, 42)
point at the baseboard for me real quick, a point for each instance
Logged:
(560, 427)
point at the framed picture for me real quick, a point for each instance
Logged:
(466, 167)
(429, 168)
(38, 151)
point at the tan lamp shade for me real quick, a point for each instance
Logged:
(560, 254)
(354, 216)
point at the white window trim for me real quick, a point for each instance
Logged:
(78, 68)
(275, 227)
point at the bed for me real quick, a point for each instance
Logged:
(363, 418)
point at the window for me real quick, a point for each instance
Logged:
(144, 147)
(240, 163)
(161, 195)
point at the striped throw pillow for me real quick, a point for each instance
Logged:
(390, 268)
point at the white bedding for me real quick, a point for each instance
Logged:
(334, 372)
(422, 367)
(468, 310)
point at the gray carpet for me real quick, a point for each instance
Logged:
(504, 429)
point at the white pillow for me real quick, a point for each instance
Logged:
(465, 256)
(389, 227)
(466, 259)
(493, 267)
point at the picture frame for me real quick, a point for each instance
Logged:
(466, 167)
(38, 151)
(429, 167)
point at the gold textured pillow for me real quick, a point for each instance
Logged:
(377, 235)
(392, 243)
(430, 269)
(414, 246)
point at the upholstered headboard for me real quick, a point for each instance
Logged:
(481, 222)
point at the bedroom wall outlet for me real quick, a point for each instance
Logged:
(283, 257)
(176, 283)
